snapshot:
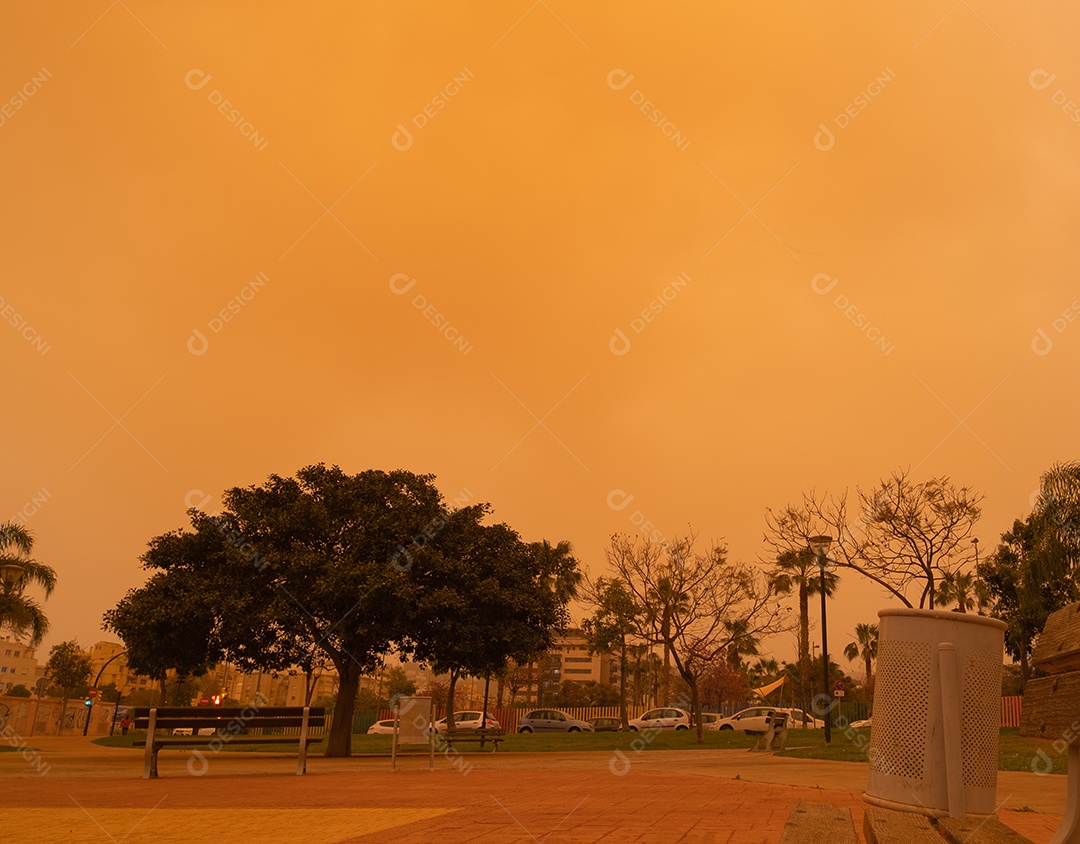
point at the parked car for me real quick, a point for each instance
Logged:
(551, 721)
(605, 724)
(186, 731)
(858, 725)
(709, 720)
(664, 718)
(468, 720)
(747, 719)
(382, 728)
(801, 720)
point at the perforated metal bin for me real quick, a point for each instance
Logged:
(937, 713)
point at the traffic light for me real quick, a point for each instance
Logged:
(88, 702)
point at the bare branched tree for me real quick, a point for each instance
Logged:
(688, 596)
(905, 533)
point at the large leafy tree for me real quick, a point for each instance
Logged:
(482, 598)
(321, 561)
(609, 628)
(1026, 578)
(20, 614)
(67, 670)
(167, 625)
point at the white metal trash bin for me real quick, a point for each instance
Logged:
(937, 713)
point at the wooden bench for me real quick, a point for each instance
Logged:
(776, 724)
(230, 725)
(452, 737)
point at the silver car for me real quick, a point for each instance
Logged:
(664, 718)
(551, 721)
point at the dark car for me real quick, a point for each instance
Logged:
(605, 724)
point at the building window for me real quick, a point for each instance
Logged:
(17, 653)
(578, 671)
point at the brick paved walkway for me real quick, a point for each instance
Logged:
(97, 795)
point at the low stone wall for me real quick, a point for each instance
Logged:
(31, 716)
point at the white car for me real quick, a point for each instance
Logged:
(664, 718)
(186, 731)
(752, 719)
(859, 725)
(468, 720)
(799, 720)
(382, 728)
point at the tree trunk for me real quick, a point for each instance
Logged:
(450, 700)
(666, 679)
(1025, 670)
(339, 740)
(499, 691)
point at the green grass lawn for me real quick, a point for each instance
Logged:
(1015, 753)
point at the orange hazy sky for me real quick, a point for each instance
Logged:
(598, 264)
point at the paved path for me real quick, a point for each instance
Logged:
(70, 790)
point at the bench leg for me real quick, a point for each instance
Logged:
(1069, 831)
(150, 762)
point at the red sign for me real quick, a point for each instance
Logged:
(204, 701)
(92, 693)
(839, 685)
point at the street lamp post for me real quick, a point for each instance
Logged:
(820, 546)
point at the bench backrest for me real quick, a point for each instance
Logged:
(226, 717)
(1050, 703)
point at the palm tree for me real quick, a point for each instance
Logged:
(799, 570)
(963, 589)
(740, 644)
(19, 613)
(865, 646)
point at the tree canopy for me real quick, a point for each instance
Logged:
(347, 567)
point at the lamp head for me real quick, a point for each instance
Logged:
(10, 574)
(820, 545)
